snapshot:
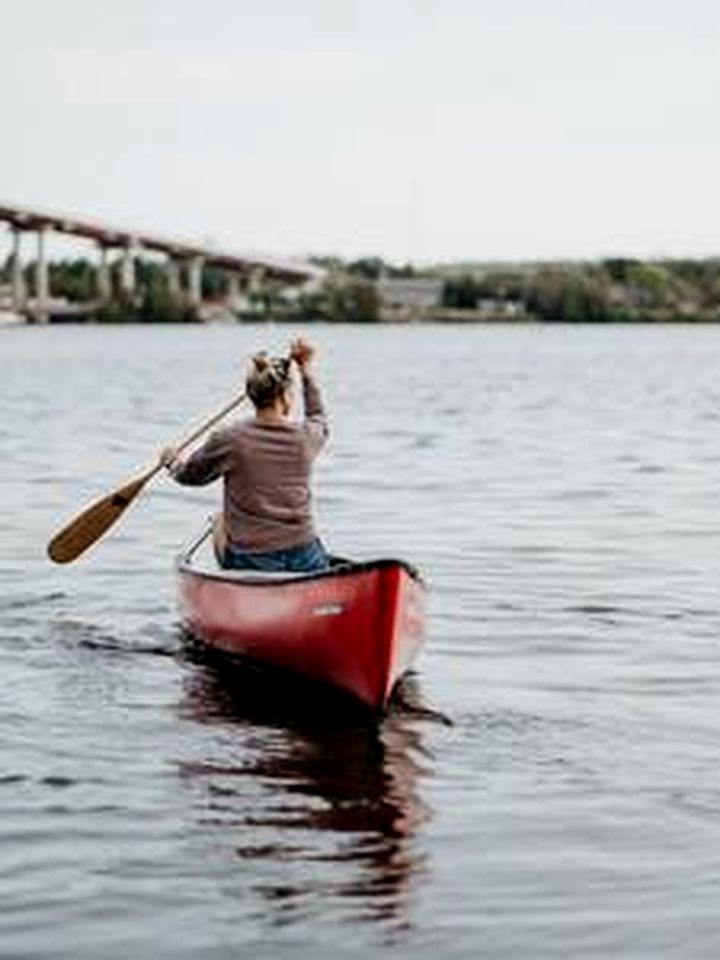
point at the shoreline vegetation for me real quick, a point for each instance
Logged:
(370, 290)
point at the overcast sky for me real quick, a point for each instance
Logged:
(424, 130)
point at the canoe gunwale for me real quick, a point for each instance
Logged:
(341, 568)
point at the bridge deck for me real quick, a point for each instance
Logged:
(30, 218)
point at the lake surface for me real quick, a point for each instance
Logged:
(560, 489)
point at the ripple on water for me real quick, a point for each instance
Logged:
(562, 512)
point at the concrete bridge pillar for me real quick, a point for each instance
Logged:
(42, 276)
(127, 269)
(195, 267)
(233, 290)
(172, 272)
(258, 292)
(17, 278)
(104, 279)
(257, 280)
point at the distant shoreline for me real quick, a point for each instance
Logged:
(456, 319)
(371, 291)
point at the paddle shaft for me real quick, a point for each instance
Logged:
(191, 438)
(87, 527)
(199, 431)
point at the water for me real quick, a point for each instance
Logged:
(558, 486)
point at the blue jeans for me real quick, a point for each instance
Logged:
(306, 558)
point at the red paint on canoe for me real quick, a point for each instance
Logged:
(357, 627)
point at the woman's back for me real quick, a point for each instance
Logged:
(267, 499)
(266, 468)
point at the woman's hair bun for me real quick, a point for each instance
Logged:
(261, 362)
(267, 379)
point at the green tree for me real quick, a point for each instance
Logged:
(347, 298)
(369, 268)
(567, 296)
(501, 285)
(157, 304)
(73, 279)
(460, 293)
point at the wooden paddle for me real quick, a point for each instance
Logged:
(87, 527)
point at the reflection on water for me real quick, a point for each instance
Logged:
(315, 787)
(566, 515)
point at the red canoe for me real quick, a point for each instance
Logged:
(357, 627)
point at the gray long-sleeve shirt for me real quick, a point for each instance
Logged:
(266, 472)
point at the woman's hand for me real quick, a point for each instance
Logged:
(302, 353)
(168, 457)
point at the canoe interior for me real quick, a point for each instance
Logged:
(199, 559)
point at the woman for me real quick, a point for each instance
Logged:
(265, 463)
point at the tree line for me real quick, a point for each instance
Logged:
(610, 290)
(618, 289)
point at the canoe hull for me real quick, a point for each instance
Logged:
(357, 629)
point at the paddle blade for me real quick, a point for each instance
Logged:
(91, 524)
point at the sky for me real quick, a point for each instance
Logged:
(418, 130)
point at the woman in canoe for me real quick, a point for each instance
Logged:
(265, 463)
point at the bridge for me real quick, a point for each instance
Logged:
(184, 262)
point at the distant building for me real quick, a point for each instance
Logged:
(409, 293)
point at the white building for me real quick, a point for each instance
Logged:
(410, 293)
